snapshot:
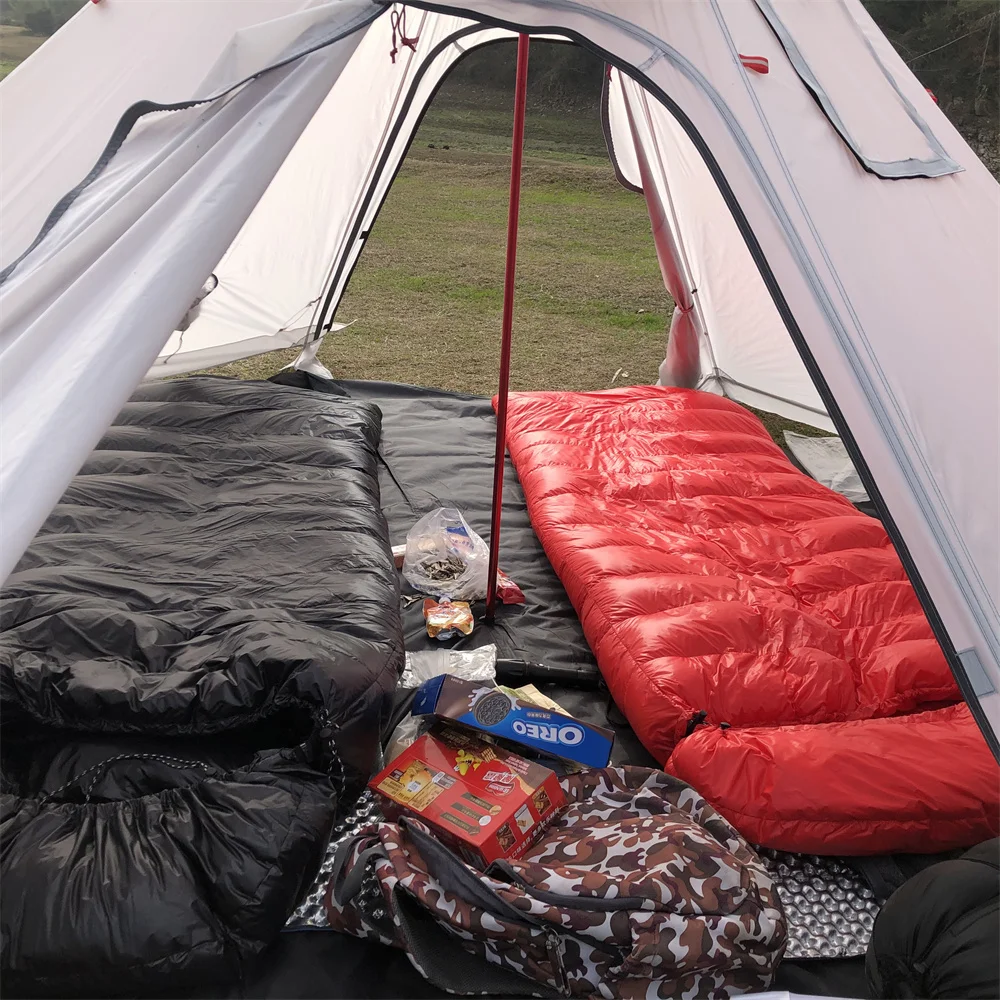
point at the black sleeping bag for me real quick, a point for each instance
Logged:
(198, 651)
(938, 936)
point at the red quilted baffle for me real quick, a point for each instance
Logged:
(757, 630)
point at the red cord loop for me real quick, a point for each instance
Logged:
(757, 63)
(398, 21)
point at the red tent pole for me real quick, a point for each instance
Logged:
(513, 208)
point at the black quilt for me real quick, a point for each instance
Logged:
(198, 652)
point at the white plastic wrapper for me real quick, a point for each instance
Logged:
(827, 461)
(445, 557)
(471, 665)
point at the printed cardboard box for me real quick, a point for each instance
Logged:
(494, 711)
(483, 801)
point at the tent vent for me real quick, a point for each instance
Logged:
(976, 673)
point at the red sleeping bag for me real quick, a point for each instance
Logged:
(759, 632)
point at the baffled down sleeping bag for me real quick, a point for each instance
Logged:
(198, 650)
(758, 631)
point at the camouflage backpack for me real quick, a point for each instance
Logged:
(638, 889)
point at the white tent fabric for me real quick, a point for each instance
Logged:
(80, 86)
(307, 226)
(745, 351)
(682, 364)
(86, 312)
(876, 244)
(827, 461)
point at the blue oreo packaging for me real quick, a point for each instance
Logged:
(490, 710)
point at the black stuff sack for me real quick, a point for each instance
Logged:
(937, 936)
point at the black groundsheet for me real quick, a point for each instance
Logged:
(437, 450)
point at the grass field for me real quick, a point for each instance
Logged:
(426, 297)
(15, 46)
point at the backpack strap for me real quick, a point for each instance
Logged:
(455, 877)
(345, 887)
(446, 964)
(882, 873)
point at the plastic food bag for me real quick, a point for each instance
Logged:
(406, 734)
(445, 557)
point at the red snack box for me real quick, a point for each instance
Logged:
(481, 800)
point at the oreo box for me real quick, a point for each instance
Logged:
(483, 801)
(493, 711)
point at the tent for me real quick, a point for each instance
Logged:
(832, 242)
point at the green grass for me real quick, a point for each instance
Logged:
(15, 46)
(426, 298)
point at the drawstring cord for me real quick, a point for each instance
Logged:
(326, 734)
(97, 770)
(398, 21)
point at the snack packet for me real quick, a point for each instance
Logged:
(531, 694)
(446, 618)
(508, 592)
